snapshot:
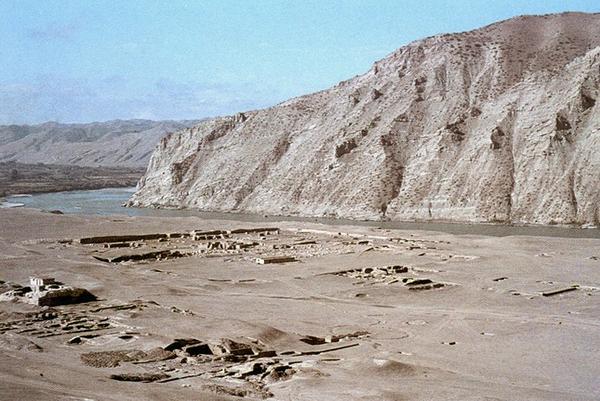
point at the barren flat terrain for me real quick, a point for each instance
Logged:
(20, 178)
(192, 309)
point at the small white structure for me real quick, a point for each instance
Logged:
(38, 284)
(46, 291)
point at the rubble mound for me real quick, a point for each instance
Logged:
(47, 292)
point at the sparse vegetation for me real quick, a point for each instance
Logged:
(17, 178)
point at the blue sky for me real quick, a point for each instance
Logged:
(85, 60)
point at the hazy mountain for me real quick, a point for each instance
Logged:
(496, 124)
(112, 143)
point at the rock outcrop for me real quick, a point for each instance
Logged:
(499, 124)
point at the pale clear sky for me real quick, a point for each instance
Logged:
(85, 60)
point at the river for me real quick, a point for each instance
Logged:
(108, 201)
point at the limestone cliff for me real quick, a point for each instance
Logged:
(496, 124)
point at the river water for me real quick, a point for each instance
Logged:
(108, 201)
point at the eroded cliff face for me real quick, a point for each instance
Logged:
(496, 124)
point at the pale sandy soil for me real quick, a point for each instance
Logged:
(472, 339)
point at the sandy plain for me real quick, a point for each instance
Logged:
(363, 313)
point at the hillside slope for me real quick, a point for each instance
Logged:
(113, 143)
(496, 124)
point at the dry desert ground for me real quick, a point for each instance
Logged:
(192, 309)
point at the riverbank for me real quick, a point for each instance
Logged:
(109, 201)
(20, 178)
(457, 317)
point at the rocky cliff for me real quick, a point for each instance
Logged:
(498, 124)
(126, 143)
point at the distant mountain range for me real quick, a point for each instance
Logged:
(123, 143)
